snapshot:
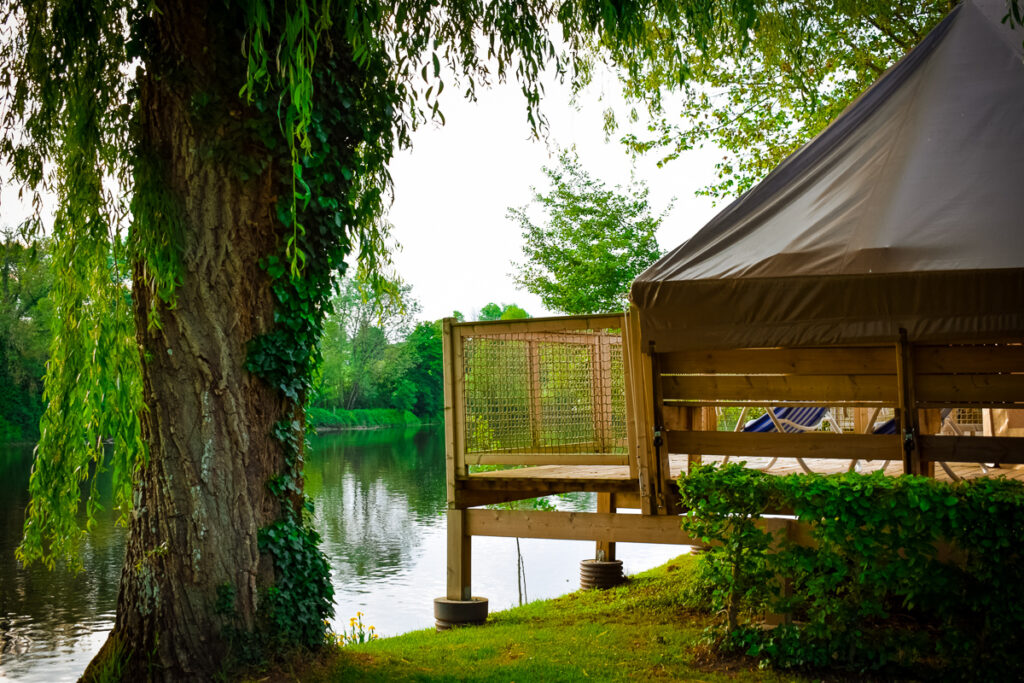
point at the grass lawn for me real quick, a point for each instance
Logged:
(640, 631)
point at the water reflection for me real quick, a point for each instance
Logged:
(52, 622)
(380, 500)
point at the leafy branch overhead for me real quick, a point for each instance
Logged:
(759, 94)
(592, 243)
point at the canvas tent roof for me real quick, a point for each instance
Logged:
(906, 212)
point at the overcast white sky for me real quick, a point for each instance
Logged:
(454, 187)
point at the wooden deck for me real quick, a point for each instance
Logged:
(550, 479)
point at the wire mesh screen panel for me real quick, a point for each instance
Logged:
(544, 394)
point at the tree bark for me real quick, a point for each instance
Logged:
(202, 496)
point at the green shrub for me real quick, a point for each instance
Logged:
(908, 576)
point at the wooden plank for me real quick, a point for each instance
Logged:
(548, 459)
(974, 359)
(459, 574)
(552, 324)
(866, 360)
(1004, 450)
(447, 359)
(772, 445)
(543, 338)
(974, 389)
(611, 527)
(677, 418)
(563, 448)
(771, 389)
(579, 526)
(468, 498)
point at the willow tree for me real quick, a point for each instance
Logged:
(214, 163)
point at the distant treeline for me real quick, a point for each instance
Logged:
(380, 367)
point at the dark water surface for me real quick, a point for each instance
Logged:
(380, 500)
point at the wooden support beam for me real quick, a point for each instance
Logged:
(609, 526)
(579, 526)
(459, 583)
(605, 550)
(469, 498)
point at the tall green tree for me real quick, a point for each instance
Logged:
(591, 244)
(759, 94)
(214, 163)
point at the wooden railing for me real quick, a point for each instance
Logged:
(547, 391)
(916, 381)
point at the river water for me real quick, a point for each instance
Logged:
(380, 500)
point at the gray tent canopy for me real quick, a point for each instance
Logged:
(906, 212)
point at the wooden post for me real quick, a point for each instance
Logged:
(448, 358)
(860, 420)
(632, 448)
(659, 460)
(601, 390)
(642, 417)
(605, 550)
(907, 411)
(459, 557)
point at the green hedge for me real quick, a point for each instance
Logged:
(369, 417)
(874, 595)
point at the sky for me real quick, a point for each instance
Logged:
(454, 187)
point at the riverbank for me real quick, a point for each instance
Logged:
(326, 421)
(643, 630)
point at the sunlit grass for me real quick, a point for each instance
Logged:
(641, 630)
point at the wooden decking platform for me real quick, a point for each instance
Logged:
(546, 479)
(599, 478)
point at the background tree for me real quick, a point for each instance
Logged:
(358, 335)
(493, 311)
(760, 94)
(591, 244)
(196, 238)
(25, 316)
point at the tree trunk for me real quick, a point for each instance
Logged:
(193, 571)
